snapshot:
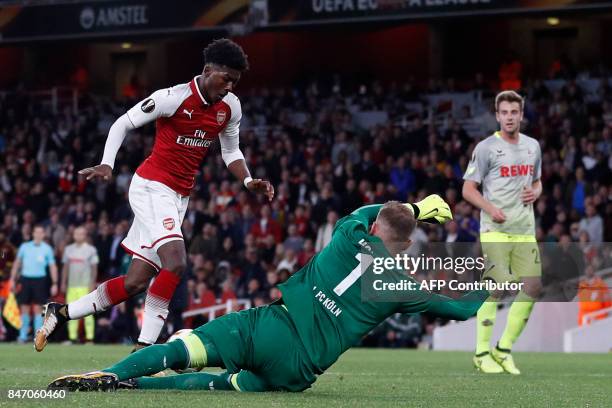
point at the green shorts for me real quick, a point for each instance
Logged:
(260, 345)
(511, 256)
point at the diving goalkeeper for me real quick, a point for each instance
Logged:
(285, 345)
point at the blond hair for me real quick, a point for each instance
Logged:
(398, 219)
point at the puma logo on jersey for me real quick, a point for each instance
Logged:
(188, 113)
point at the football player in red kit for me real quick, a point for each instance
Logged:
(188, 119)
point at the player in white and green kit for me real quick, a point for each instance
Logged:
(79, 278)
(285, 345)
(507, 165)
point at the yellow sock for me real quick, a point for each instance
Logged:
(485, 319)
(517, 320)
(73, 330)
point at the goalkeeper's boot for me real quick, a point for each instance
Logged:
(55, 315)
(505, 360)
(485, 363)
(95, 381)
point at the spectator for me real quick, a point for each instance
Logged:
(293, 241)
(116, 253)
(592, 224)
(579, 190)
(306, 253)
(6, 262)
(402, 179)
(324, 233)
(289, 261)
(593, 295)
(251, 269)
(206, 243)
(103, 242)
(265, 226)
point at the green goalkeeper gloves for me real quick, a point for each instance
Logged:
(432, 209)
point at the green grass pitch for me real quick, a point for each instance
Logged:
(362, 377)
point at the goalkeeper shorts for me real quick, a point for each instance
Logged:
(511, 256)
(261, 347)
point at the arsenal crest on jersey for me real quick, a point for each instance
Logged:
(169, 223)
(221, 117)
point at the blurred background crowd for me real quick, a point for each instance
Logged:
(328, 147)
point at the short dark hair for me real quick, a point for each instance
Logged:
(226, 52)
(509, 96)
(399, 218)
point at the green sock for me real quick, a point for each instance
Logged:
(517, 319)
(151, 360)
(485, 319)
(195, 381)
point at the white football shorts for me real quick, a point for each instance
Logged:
(158, 214)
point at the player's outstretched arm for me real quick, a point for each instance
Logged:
(162, 102)
(367, 213)
(115, 138)
(432, 209)
(457, 309)
(103, 171)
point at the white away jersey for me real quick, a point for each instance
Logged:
(504, 169)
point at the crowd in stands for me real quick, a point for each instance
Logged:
(322, 166)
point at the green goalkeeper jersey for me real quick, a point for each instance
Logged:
(324, 298)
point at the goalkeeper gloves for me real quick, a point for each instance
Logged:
(432, 209)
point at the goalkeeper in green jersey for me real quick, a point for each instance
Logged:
(285, 345)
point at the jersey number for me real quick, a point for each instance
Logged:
(364, 262)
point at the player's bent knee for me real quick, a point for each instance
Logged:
(196, 351)
(176, 267)
(135, 284)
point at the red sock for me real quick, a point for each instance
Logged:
(115, 290)
(156, 305)
(164, 285)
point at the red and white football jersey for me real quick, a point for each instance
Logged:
(186, 125)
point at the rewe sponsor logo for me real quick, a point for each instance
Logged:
(516, 170)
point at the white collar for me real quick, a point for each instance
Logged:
(195, 84)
